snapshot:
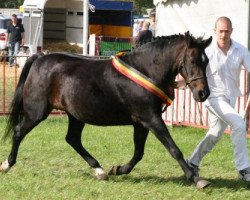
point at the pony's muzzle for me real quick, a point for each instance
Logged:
(202, 95)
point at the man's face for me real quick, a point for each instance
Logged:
(223, 32)
(14, 19)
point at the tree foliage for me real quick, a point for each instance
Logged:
(140, 6)
(11, 3)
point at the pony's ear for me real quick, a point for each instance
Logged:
(189, 39)
(206, 43)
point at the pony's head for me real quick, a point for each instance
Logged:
(192, 66)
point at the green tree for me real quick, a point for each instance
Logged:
(11, 3)
(140, 6)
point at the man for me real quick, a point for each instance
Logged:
(137, 28)
(223, 72)
(15, 37)
(144, 35)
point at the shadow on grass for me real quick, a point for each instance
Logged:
(232, 184)
(216, 183)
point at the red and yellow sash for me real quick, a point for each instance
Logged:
(140, 79)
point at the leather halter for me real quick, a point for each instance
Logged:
(189, 80)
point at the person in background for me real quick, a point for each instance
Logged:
(144, 35)
(137, 28)
(15, 38)
(152, 23)
(226, 57)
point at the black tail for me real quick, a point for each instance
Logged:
(16, 108)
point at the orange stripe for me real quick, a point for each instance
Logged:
(141, 80)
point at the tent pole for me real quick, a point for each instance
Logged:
(85, 26)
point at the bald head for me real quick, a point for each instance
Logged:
(223, 19)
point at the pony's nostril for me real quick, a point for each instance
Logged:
(203, 94)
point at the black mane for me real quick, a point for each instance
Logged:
(168, 39)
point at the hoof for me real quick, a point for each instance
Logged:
(202, 184)
(113, 170)
(101, 175)
(5, 167)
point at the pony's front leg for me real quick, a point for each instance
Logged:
(160, 130)
(140, 136)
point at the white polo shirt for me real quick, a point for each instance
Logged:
(223, 71)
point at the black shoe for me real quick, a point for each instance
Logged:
(194, 167)
(245, 174)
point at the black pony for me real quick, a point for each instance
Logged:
(98, 92)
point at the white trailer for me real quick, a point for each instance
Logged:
(42, 20)
(63, 19)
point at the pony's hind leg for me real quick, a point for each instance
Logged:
(140, 137)
(74, 139)
(20, 131)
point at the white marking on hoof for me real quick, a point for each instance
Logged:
(101, 174)
(5, 166)
(202, 184)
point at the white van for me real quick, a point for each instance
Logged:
(3, 31)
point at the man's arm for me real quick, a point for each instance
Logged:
(23, 39)
(7, 38)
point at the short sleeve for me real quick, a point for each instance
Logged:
(22, 29)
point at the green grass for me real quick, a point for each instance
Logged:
(48, 168)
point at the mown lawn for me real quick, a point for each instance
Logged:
(48, 168)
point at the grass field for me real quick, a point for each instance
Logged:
(48, 168)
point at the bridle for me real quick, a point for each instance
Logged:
(189, 79)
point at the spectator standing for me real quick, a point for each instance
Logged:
(144, 35)
(15, 38)
(137, 28)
